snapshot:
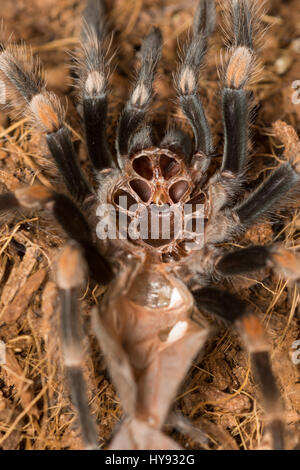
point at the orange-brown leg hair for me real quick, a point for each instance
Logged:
(71, 273)
(92, 69)
(284, 261)
(28, 96)
(78, 258)
(136, 107)
(266, 198)
(68, 216)
(242, 22)
(235, 312)
(187, 79)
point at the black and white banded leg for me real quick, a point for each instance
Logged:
(78, 259)
(235, 312)
(236, 102)
(93, 70)
(188, 76)
(269, 196)
(135, 109)
(70, 219)
(242, 18)
(284, 261)
(21, 72)
(71, 274)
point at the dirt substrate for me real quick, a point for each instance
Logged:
(219, 394)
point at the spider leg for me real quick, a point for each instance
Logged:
(188, 76)
(178, 142)
(68, 216)
(235, 99)
(118, 363)
(92, 68)
(246, 260)
(278, 183)
(22, 76)
(137, 105)
(227, 222)
(243, 20)
(141, 140)
(71, 271)
(235, 312)
(265, 197)
(185, 427)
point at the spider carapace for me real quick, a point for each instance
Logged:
(160, 302)
(155, 192)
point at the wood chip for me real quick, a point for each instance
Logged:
(289, 137)
(49, 302)
(3, 264)
(21, 301)
(19, 275)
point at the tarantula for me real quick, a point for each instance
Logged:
(153, 317)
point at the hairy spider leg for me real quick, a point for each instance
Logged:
(77, 258)
(71, 274)
(178, 142)
(92, 68)
(240, 67)
(188, 76)
(235, 312)
(136, 107)
(70, 219)
(284, 261)
(243, 22)
(267, 197)
(22, 72)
